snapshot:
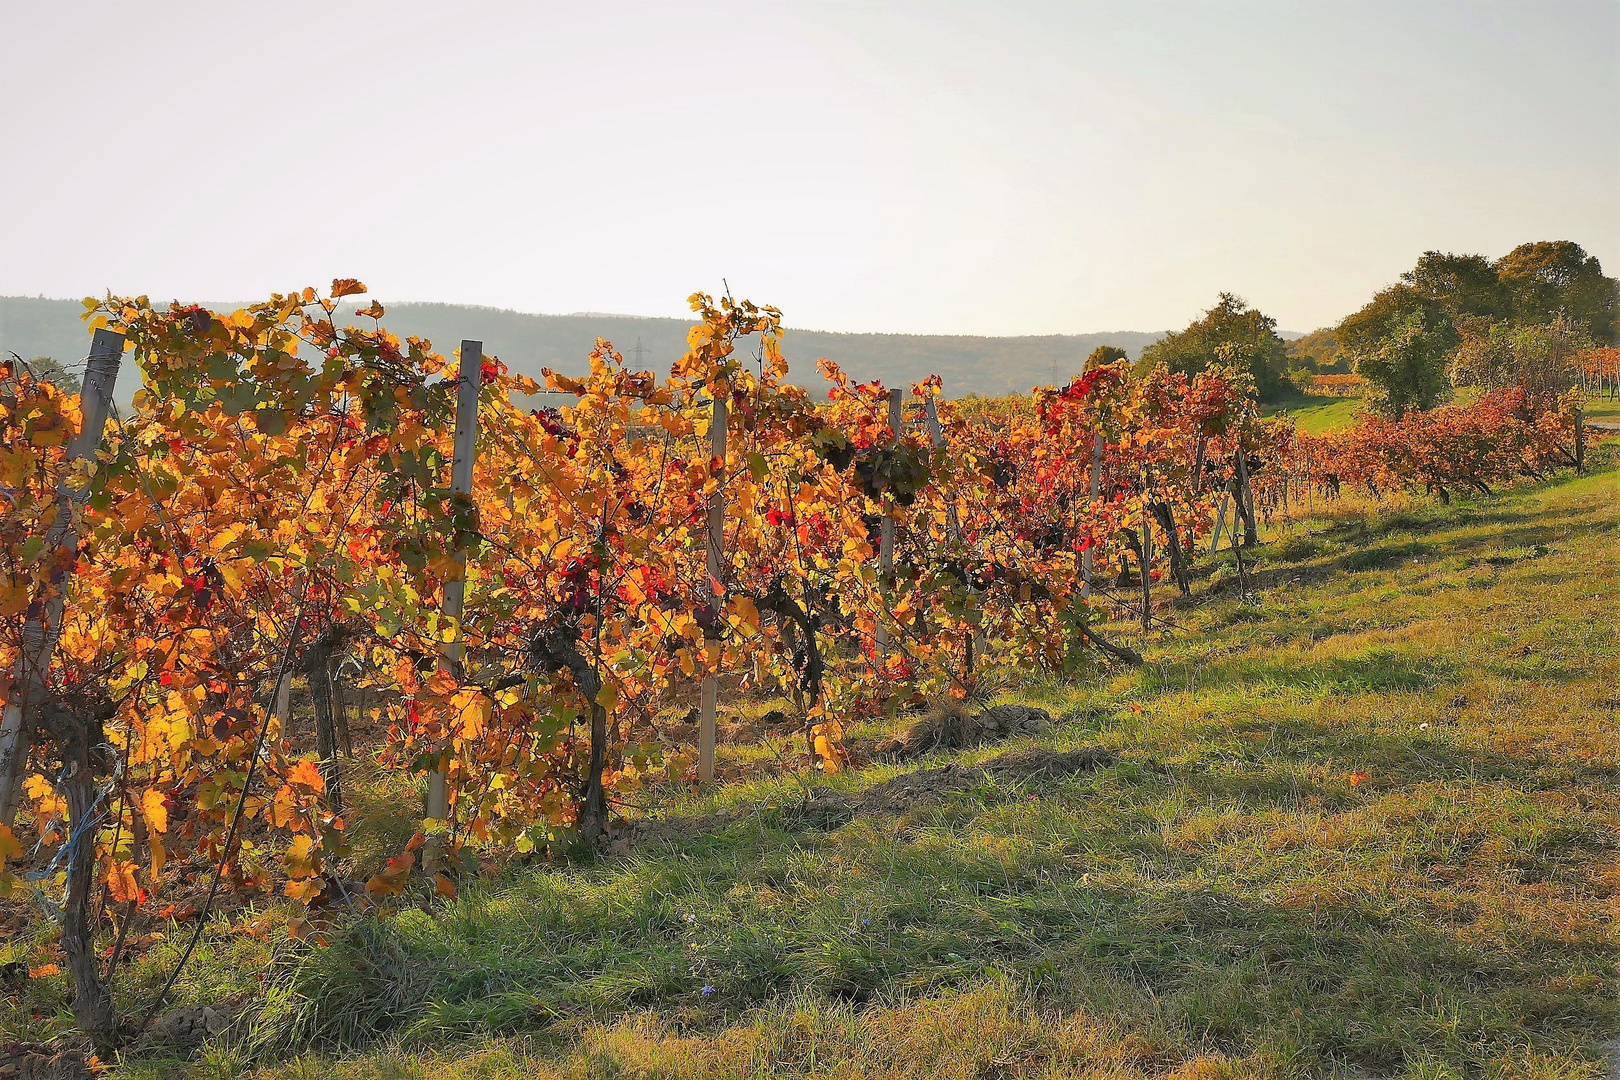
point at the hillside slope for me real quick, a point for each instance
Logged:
(33, 327)
(1365, 827)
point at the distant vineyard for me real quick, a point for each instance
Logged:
(528, 596)
(1338, 385)
(1600, 371)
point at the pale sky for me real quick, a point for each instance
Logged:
(985, 168)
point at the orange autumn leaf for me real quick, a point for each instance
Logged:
(121, 884)
(393, 878)
(307, 775)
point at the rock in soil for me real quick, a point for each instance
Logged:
(951, 726)
(186, 1028)
(902, 792)
(38, 1061)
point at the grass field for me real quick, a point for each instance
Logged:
(1603, 408)
(1314, 414)
(1364, 827)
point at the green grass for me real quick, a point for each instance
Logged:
(1601, 407)
(1315, 414)
(1366, 827)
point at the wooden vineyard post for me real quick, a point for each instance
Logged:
(40, 633)
(715, 566)
(1096, 484)
(469, 377)
(1580, 433)
(886, 548)
(1245, 497)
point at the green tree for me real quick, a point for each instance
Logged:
(1103, 355)
(1364, 330)
(1407, 366)
(1318, 353)
(1552, 276)
(52, 371)
(1544, 360)
(1229, 330)
(1451, 292)
(1462, 311)
(1461, 286)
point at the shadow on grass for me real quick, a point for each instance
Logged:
(1325, 967)
(1398, 759)
(755, 916)
(1388, 541)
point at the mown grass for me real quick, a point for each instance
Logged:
(1316, 413)
(1365, 827)
(1602, 407)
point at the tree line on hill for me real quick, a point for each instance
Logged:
(1451, 321)
(1464, 320)
(527, 343)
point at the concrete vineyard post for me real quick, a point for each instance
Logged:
(708, 706)
(886, 547)
(1096, 483)
(1147, 558)
(1245, 497)
(40, 633)
(283, 710)
(469, 377)
(936, 436)
(1095, 490)
(953, 523)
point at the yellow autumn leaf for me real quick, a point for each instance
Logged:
(15, 467)
(301, 858)
(13, 599)
(747, 615)
(152, 808)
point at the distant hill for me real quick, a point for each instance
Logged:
(35, 326)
